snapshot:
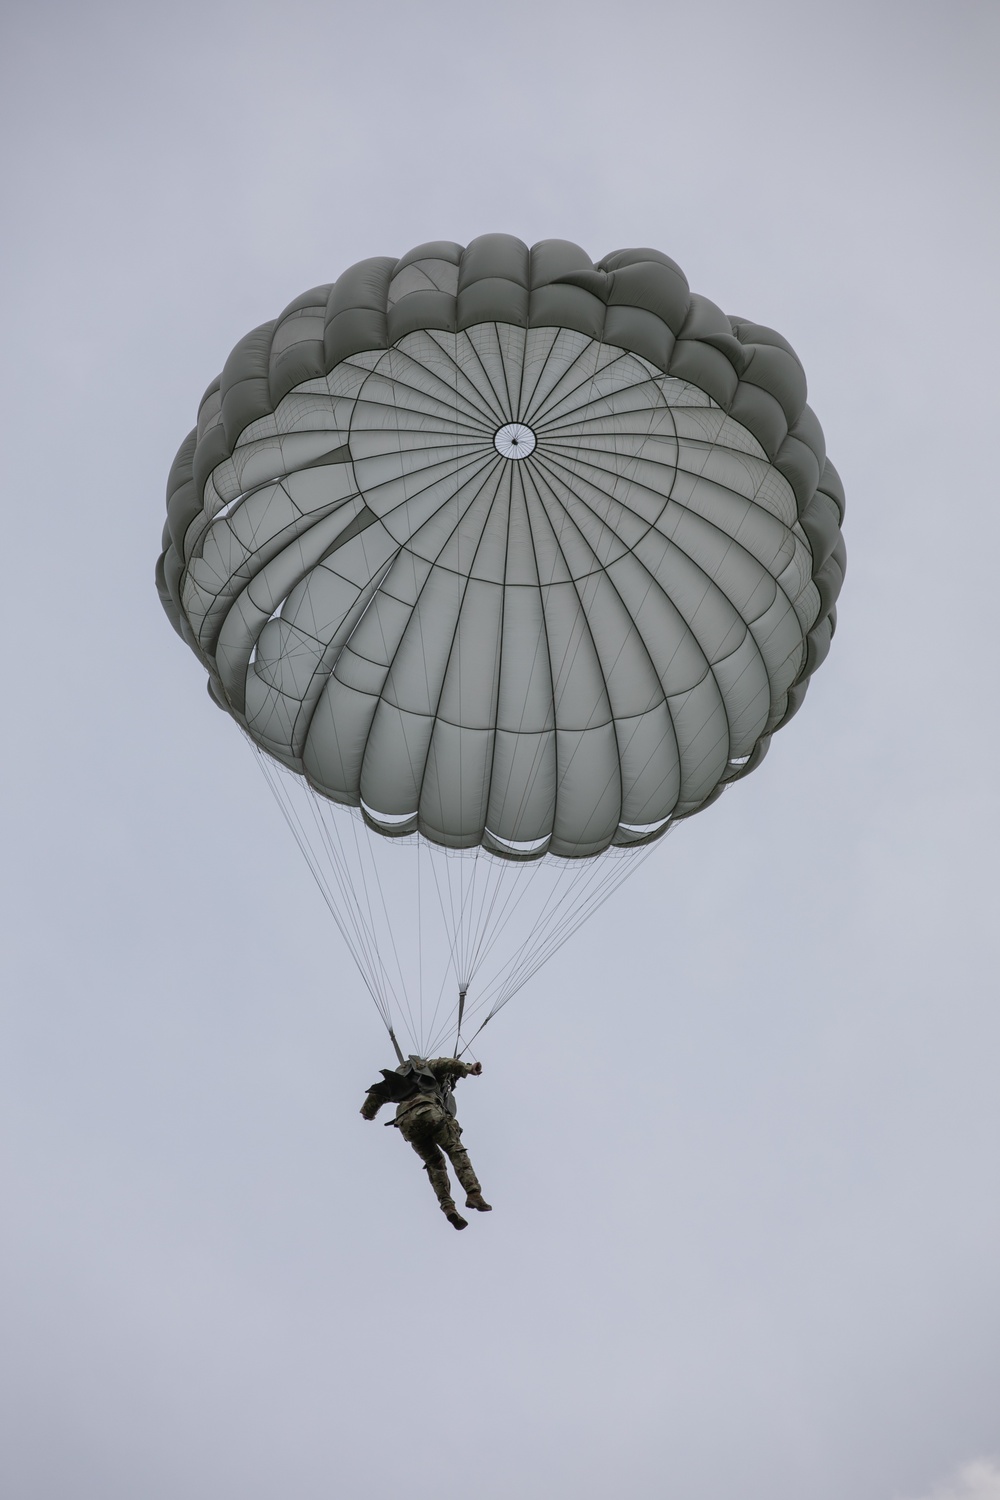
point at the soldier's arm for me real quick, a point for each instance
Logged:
(374, 1100)
(442, 1066)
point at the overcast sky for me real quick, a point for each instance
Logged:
(742, 1136)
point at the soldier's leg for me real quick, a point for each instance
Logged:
(437, 1172)
(434, 1165)
(450, 1138)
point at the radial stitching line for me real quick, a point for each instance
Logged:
(653, 582)
(542, 737)
(362, 401)
(482, 403)
(458, 466)
(524, 402)
(550, 410)
(517, 406)
(602, 405)
(413, 608)
(600, 667)
(710, 579)
(508, 475)
(664, 497)
(487, 470)
(491, 408)
(626, 607)
(730, 540)
(473, 414)
(511, 407)
(479, 410)
(323, 665)
(476, 412)
(545, 740)
(504, 414)
(557, 394)
(685, 449)
(605, 672)
(458, 617)
(688, 626)
(401, 548)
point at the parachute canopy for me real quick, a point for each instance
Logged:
(506, 550)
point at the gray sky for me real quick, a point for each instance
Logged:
(742, 1136)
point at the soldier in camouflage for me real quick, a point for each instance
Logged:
(423, 1091)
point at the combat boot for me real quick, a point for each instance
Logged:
(476, 1200)
(454, 1217)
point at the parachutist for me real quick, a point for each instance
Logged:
(423, 1091)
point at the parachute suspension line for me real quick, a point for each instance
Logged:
(336, 854)
(353, 939)
(483, 921)
(481, 901)
(568, 906)
(485, 943)
(464, 920)
(461, 1013)
(601, 884)
(468, 873)
(548, 921)
(467, 918)
(560, 924)
(352, 904)
(457, 923)
(476, 917)
(398, 1049)
(329, 823)
(570, 901)
(352, 933)
(460, 917)
(472, 1038)
(453, 925)
(491, 924)
(466, 881)
(351, 881)
(420, 943)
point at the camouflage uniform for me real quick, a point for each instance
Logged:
(426, 1118)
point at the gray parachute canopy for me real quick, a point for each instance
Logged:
(507, 549)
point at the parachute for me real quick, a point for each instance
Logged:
(505, 562)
